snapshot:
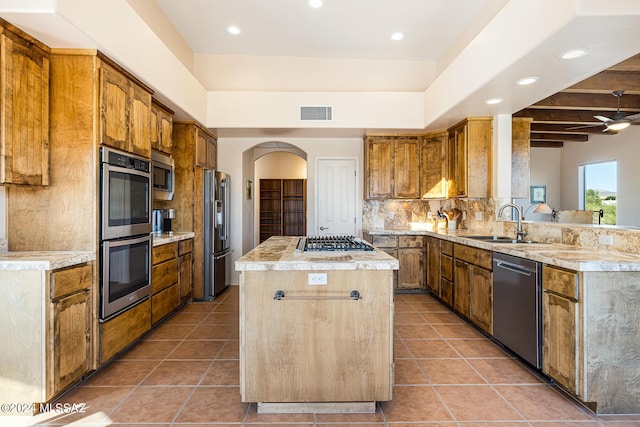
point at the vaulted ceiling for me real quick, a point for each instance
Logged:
(556, 117)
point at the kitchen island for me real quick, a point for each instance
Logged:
(316, 328)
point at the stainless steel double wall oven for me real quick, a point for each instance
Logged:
(125, 232)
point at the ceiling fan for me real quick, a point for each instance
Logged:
(618, 120)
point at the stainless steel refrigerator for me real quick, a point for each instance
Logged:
(217, 254)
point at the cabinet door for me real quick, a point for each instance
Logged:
(433, 265)
(154, 127)
(24, 137)
(71, 338)
(560, 340)
(212, 152)
(481, 297)
(446, 291)
(378, 167)
(406, 176)
(457, 182)
(433, 167)
(184, 276)
(165, 125)
(139, 121)
(411, 269)
(461, 293)
(114, 105)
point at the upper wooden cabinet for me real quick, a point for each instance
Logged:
(24, 111)
(125, 112)
(470, 158)
(520, 157)
(433, 166)
(161, 127)
(206, 149)
(392, 166)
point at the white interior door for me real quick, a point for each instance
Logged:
(336, 197)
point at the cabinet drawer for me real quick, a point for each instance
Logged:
(185, 246)
(70, 280)
(164, 275)
(385, 241)
(164, 303)
(475, 256)
(163, 253)
(446, 267)
(446, 247)
(411, 241)
(563, 282)
(124, 329)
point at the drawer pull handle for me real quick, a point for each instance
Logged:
(353, 295)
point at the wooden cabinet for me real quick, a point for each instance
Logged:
(165, 294)
(410, 252)
(120, 332)
(47, 336)
(392, 166)
(297, 349)
(283, 207)
(561, 327)
(188, 196)
(520, 157)
(125, 112)
(206, 149)
(469, 152)
(24, 97)
(433, 265)
(434, 166)
(473, 296)
(185, 268)
(161, 126)
(446, 272)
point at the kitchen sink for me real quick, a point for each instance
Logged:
(499, 239)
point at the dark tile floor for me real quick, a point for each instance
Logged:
(185, 373)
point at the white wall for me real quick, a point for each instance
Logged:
(545, 170)
(624, 148)
(231, 158)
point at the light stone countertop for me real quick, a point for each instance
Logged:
(278, 253)
(170, 237)
(43, 260)
(566, 256)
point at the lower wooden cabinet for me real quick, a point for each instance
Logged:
(446, 272)
(433, 265)
(410, 252)
(481, 297)
(46, 339)
(473, 281)
(185, 269)
(118, 333)
(560, 327)
(462, 287)
(168, 291)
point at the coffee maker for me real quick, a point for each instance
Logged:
(162, 219)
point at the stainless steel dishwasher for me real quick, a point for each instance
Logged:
(517, 306)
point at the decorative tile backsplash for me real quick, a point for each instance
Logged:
(480, 217)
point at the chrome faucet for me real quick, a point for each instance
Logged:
(520, 233)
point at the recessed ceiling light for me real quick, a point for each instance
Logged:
(397, 36)
(493, 101)
(315, 3)
(574, 53)
(233, 30)
(527, 81)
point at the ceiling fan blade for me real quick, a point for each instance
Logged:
(584, 127)
(602, 118)
(633, 117)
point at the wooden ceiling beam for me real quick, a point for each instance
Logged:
(608, 81)
(547, 144)
(589, 101)
(573, 117)
(561, 128)
(535, 136)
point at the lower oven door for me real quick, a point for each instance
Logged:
(126, 274)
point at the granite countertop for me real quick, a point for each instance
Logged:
(566, 256)
(278, 253)
(43, 260)
(170, 237)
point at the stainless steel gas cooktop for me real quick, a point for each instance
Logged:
(332, 243)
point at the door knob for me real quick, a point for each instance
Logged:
(324, 228)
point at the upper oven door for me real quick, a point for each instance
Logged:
(126, 202)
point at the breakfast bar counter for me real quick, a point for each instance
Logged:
(316, 328)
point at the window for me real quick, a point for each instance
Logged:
(598, 189)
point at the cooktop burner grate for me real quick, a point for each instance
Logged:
(332, 243)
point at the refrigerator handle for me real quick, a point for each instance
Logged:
(217, 214)
(225, 215)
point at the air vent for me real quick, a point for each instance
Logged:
(324, 113)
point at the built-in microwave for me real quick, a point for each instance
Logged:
(163, 176)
